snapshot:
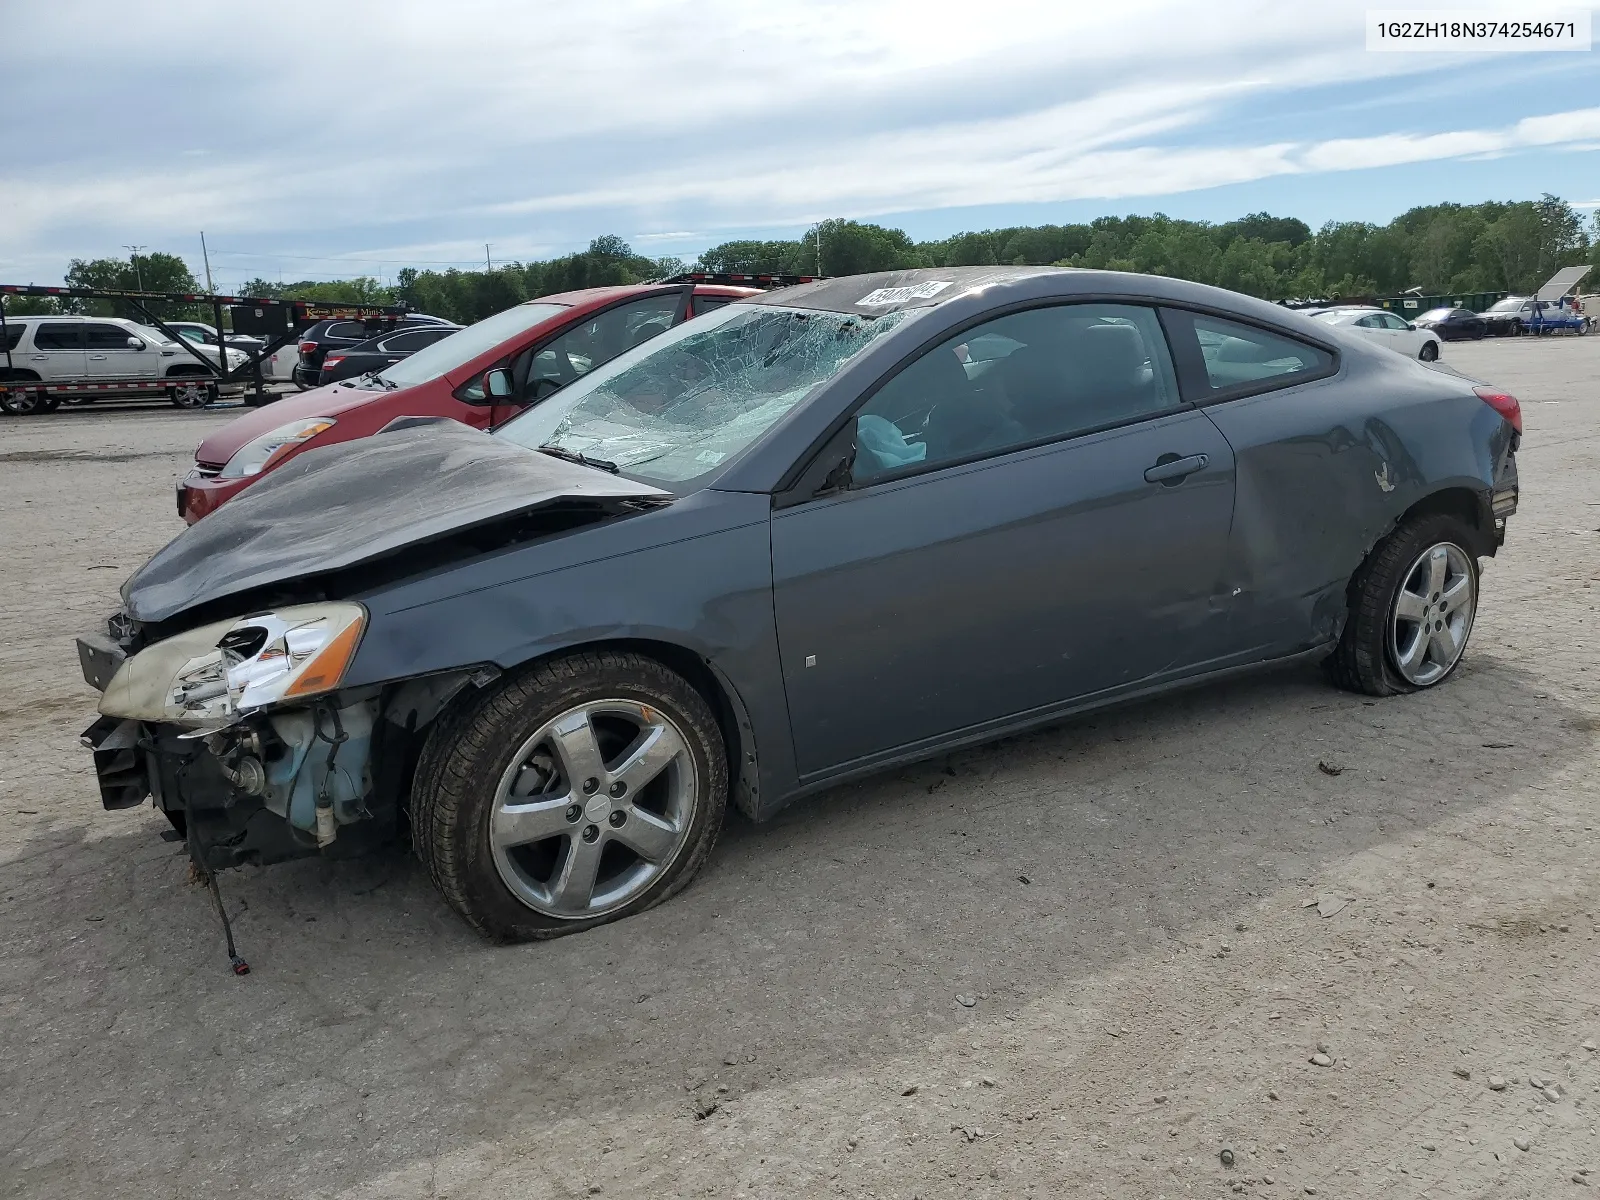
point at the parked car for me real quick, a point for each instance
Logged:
(825, 531)
(202, 334)
(280, 364)
(1452, 324)
(548, 343)
(375, 354)
(331, 336)
(104, 350)
(1508, 317)
(1523, 314)
(1384, 328)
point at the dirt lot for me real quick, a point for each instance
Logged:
(1121, 898)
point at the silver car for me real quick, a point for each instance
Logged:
(104, 351)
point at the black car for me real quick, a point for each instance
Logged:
(1453, 324)
(827, 530)
(374, 354)
(341, 333)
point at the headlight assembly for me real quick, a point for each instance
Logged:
(252, 457)
(211, 675)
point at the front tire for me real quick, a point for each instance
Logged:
(587, 789)
(1429, 352)
(1412, 606)
(195, 393)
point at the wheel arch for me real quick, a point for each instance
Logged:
(1468, 504)
(714, 687)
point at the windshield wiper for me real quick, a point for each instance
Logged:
(386, 384)
(577, 456)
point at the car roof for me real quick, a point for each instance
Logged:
(584, 297)
(892, 291)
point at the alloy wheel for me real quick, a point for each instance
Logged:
(1432, 614)
(189, 395)
(594, 807)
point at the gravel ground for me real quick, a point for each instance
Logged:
(1121, 899)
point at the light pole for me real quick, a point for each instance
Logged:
(138, 275)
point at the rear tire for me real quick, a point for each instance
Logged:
(1412, 604)
(523, 848)
(22, 404)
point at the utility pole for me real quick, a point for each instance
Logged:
(819, 247)
(487, 265)
(138, 275)
(207, 257)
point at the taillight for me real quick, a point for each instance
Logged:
(1503, 403)
(308, 348)
(332, 360)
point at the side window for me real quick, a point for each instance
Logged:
(597, 340)
(1239, 358)
(1374, 321)
(14, 332)
(405, 343)
(58, 335)
(107, 337)
(353, 330)
(1028, 377)
(1393, 322)
(705, 304)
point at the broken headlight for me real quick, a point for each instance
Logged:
(211, 675)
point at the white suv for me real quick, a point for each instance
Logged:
(106, 350)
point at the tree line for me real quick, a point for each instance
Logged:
(1508, 246)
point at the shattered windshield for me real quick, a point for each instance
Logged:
(688, 401)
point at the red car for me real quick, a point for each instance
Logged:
(546, 344)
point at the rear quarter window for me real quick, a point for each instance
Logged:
(1235, 359)
(14, 332)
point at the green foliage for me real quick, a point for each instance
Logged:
(151, 273)
(1440, 248)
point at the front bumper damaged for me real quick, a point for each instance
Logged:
(292, 803)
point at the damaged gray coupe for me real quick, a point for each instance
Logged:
(820, 532)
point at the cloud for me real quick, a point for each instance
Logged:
(422, 128)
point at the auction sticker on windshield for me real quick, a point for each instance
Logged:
(899, 295)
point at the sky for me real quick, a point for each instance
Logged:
(332, 140)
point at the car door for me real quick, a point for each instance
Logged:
(1306, 469)
(1401, 336)
(589, 342)
(1019, 530)
(109, 355)
(57, 353)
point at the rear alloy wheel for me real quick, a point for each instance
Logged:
(1412, 605)
(1429, 352)
(1432, 614)
(192, 394)
(22, 404)
(588, 789)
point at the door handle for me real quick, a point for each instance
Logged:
(1172, 470)
(97, 358)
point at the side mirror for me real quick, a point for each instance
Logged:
(1411, 327)
(497, 384)
(135, 344)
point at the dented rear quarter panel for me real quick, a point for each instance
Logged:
(1325, 470)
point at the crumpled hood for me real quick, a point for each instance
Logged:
(350, 503)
